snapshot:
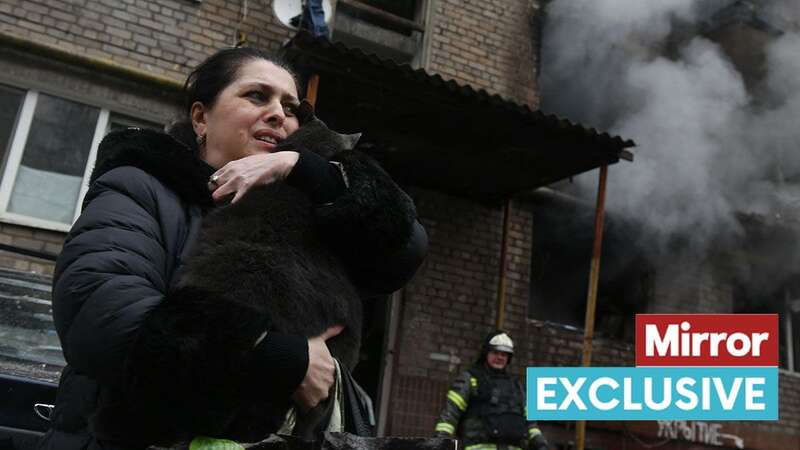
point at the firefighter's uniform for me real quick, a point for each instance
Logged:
(485, 408)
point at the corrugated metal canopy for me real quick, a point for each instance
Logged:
(441, 135)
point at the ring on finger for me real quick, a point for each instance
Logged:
(214, 179)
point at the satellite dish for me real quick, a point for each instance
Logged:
(286, 10)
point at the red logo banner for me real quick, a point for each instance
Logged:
(707, 340)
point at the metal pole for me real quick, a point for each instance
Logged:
(311, 89)
(501, 288)
(393, 320)
(787, 326)
(591, 300)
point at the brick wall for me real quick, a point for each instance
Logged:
(681, 286)
(32, 71)
(451, 304)
(453, 294)
(554, 345)
(30, 239)
(558, 345)
(489, 44)
(162, 37)
(687, 286)
(416, 403)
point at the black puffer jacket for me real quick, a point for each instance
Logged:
(143, 211)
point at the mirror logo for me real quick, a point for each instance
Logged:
(688, 367)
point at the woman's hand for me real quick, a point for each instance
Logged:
(239, 176)
(321, 371)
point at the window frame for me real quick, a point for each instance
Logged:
(16, 148)
(420, 24)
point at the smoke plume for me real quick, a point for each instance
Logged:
(712, 142)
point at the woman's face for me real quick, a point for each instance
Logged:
(250, 116)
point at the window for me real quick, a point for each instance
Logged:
(391, 29)
(47, 180)
(49, 145)
(563, 237)
(403, 9)
(776, 298)
(10, 102)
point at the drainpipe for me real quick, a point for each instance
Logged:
(501, 283)
(312, 88)
(787, 324)
(591, 300)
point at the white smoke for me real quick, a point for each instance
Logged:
(706, 147)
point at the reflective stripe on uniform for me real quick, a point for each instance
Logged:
(489, 447)
(445, 427)
(458, 400)
(473, 382)
(533, 432)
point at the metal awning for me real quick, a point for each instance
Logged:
(444, 136)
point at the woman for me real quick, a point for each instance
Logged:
(148, 195)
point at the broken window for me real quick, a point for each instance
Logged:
(767, 280)
(561, 256)
(752, 297)
(391, 29)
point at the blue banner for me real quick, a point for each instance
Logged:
(652, 393)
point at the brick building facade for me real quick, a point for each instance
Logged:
(125, 60)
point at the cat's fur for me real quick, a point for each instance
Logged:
(260, 264)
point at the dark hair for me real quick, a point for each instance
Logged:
(211, 77)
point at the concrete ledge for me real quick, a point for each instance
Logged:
(104, 65)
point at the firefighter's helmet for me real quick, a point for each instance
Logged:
(501, 343)
(497, 340)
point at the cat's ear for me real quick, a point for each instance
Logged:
(351, 140)
(305, 111)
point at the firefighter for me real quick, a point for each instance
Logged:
(485, 406)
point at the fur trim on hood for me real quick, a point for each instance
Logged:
(160, 155)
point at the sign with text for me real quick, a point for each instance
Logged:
(652, 393)
(707, 340)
